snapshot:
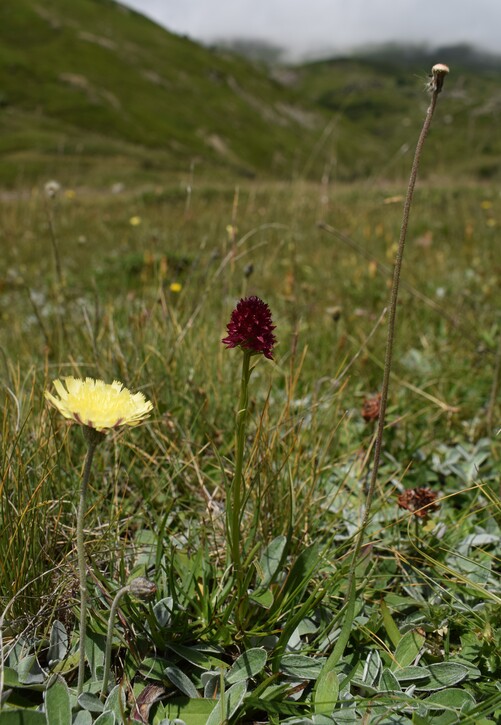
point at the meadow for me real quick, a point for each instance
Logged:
(138, 285)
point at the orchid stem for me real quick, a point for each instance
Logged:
(237, 484)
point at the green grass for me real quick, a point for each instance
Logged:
(157, 493)
(138, 285)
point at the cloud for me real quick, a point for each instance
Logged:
(305, 24)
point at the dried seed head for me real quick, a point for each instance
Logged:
(438, 72)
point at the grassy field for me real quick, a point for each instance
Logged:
(191, 178)
(139, 286)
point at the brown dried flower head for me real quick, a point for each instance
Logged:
(419, 501)
(371, 408)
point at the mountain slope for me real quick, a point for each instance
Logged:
(91, 92)
(377, 105)
(83, 75)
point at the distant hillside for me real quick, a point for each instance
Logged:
(377, 103)
(89, 81)
(92, 92)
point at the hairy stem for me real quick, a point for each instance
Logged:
(82, 567)
(435, 87)
(109, 637)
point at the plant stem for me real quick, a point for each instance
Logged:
(82, 568)
(435, 88)
(109, 637)
(350, 600)
(237, 484)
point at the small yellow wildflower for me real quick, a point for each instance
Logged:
(97, 404)
(486, 204)
(176, 287)
(135, 221)
(70, 194)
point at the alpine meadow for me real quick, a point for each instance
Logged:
(250, 380)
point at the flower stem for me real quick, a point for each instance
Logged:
(82, 568)
(350, 600)
(390, 339)
(109, 637)
(237, 484)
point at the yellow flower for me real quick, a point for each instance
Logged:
(70, 193)
(135, 221)
(176, 287)
(97, 404)
(486, 204)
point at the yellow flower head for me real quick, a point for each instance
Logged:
(97, 404)
(135, 221)
(176, 287)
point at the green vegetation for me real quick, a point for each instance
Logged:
(138, 285)
(429, 591)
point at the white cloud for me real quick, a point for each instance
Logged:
(305, 24)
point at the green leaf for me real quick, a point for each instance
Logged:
(82, 718)
(453, 698)
(107, 718)
(264, 599)
(29, 671)
(10, 678)
(270, 560)
(153, 668)
(306, 668)
(115, 702)
(302, 569)
(163, 611)
(197, 658)
(389, 624)
(181, 681)
(443, 674)
(327, 693)
(67, 664)
(388, 682)
(58, 643)
(412, 674)
(193, 712)
(372, 668)
(90, 702)
(57, 703)
(248, 665)
(22, 717)
(407, 649)
(95, 646)
(228, 704)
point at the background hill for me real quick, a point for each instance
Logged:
(92, 83)
(92, 89)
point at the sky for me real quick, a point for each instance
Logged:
(312, 26)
